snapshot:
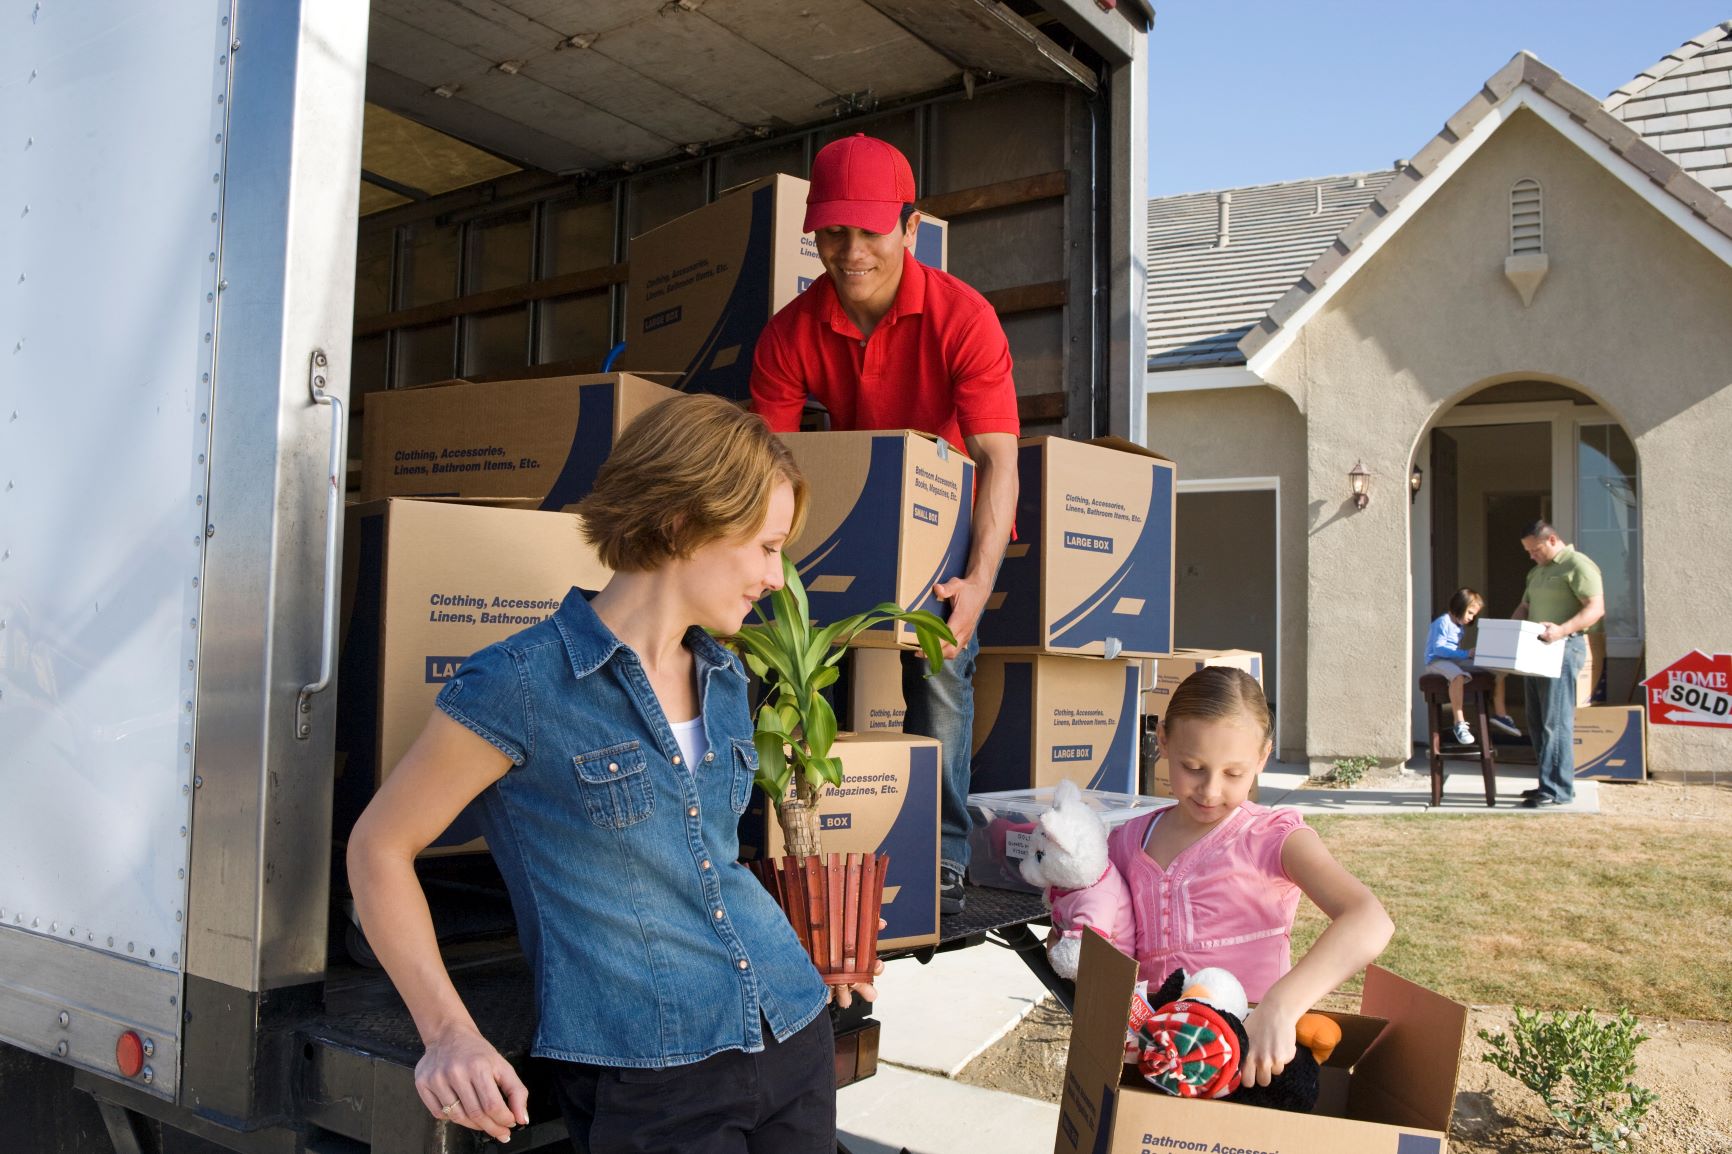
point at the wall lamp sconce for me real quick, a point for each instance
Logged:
(1360, 479)
(1414, 480)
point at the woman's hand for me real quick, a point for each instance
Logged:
(844, 995)
(463, 1079)
(1269, 1043)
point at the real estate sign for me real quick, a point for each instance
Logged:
(1696, 689)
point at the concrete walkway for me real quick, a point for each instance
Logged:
(938, 1017)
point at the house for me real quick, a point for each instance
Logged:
(1527, 318)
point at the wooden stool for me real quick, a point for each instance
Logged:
(1476, 703)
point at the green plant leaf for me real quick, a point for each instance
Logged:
(773, 768)
(820, 729)
(825, 677)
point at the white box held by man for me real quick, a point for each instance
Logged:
(1512, 646)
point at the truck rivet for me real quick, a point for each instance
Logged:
(111, 943)
(129, 947)
(219, 140)
(153, 953)
(211, 259)
(189, 707)
(150, 1046)
(183, 831)
(185, 790)
(225, 21)
(234, 46)
(319, 359)
(61, 1048)
(223, 59)
(222, 285)
(178, 915)
(35, 923)
(147, 1075)
(181, 874)
(220, 98)
(213, 217)
(193, 623)
(29, 141)
(197, 782)
(210, 530)
(65, 1019)
(53, 927)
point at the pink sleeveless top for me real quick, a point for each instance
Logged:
(1224, 901)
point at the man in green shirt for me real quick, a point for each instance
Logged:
(1564, 594)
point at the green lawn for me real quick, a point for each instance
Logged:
(1557, 911)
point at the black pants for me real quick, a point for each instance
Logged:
(779, 1101)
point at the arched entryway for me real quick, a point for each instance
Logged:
(1499, 457)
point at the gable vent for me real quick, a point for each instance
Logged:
(1526, 223)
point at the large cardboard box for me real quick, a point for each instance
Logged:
(1162, 675)
(890, 516)
(1002, 825)
(875, 701)
(1041, 719)
(1091, 569)
(703, 286)
(1611, 742)
(426, 584)
(542, 439)
(887, 803)
(1389, 1088)
(1515, 647)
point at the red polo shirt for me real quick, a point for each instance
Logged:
(938, 362)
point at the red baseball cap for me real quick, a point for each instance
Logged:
(861, 182)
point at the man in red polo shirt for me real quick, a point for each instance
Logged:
(886, 343)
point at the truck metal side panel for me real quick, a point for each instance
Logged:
(112, 189)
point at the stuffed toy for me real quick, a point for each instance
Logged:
(1067, 859)
(1188, 1039)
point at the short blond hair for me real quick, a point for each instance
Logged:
(688, 471)
(1221, 693)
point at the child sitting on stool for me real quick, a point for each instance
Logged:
(1445, 657)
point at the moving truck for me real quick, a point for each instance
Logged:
(224, 223)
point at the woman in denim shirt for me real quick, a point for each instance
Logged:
(610, 748)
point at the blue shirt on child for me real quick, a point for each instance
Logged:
(1443, 643)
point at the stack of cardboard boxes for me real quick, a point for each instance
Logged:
(460, 540)
(1085, 594)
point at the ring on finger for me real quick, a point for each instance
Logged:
(448, 1107)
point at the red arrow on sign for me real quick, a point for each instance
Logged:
(1696, 689)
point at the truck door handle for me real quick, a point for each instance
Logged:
(317, 370)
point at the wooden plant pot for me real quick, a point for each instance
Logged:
(833, 903)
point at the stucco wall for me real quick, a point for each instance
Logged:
(1246, 432)
(1633, 312)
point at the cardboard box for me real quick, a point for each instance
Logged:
(703, 286)
(426, 584)
(1389, 1088)
(1515, 647)
(875, 702)
(1162, 675)
(1611, 742)
(1040, 719)
(1091, 570)
(541, 439)
(890, 516)
(1002, 825)
(887, 803)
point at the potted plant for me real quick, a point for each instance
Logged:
(832, 901)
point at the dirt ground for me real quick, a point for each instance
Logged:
(1687, 1063)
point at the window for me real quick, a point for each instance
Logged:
(1608, 522)
(1526, 222)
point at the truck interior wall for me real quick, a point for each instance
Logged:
(447, 248)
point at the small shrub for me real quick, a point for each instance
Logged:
(1350, 771)
(1581, 1069)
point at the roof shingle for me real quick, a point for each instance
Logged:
(1202, 298)
(1678, 103)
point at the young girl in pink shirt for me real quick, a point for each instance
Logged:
(1215, 878)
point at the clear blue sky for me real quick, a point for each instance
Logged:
(1256, 91)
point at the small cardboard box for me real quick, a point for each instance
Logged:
(875, 701)
(1002, 825)
(1515, 647)
(541, 439)
(887, 803)
(890, 516)
(1162, 675)
(426, 584)
(703, 286)
(1389, 1088)
(1611, 742)
(1091, 570)
(1040, 719)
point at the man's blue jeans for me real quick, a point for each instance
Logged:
(1551, 704)
(942, 707)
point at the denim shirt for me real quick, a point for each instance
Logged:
(651, 944)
